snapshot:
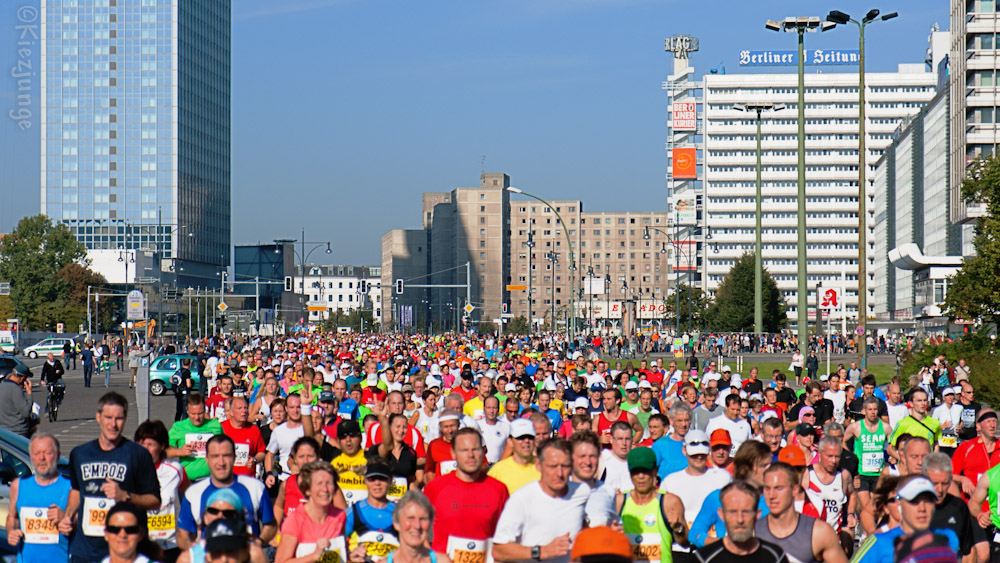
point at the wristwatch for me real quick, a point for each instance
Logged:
(536, 552)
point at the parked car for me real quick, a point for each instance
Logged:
(15, 461)
(9, 362)
(164, 368)
(52, 344)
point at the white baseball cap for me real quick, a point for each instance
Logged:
(726, 369)
(581, 403)
(631, 385)
(522, 427)
(696, 442)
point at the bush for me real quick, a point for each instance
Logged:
(980, 353)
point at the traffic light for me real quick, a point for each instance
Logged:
(364, 287)
(505, 308)
(399, 286)
(288, 283)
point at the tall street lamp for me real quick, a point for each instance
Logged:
(801, 25)
(302, 256)
(590, 307)
(530, 243)
(554, 258)
(572, 261)
(677, 294)
(840, 18)
(758, 276)
(607, 301)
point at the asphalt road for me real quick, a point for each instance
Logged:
(77, 422)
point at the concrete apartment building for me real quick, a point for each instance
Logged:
(483, 227)
(329, 288)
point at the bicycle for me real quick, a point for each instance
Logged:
(55, 397)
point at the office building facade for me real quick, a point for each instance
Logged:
(329, 289)
(135, 127)
(831, 161)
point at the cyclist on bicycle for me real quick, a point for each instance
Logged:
(52, 373)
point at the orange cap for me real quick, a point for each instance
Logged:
(720, 437)
(601, 540)
(792, 455)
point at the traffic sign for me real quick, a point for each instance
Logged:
(860, 331)
(516, 288)
(135, 306)
(469, 307)
(222, 306)
(316, 308)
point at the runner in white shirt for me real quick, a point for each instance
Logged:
(837, 396)
(693, 484)
(613, 469)
(495, 431)
(739, 429)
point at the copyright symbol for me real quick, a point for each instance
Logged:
(27, 14)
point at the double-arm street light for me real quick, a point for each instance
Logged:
(677, 294)
(530, 243)
(801, 25)
(840, 18)
(303, 256)
(758, 275)
(554, 258)
(572, 260)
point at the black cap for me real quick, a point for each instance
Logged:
(348, 428)
(21, 370)
(378, 469)
(227, 534)
(805, 429)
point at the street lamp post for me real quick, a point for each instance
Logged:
(572, 261)
(607, 299)
(302, 255)
(677, 294)
(838, 17)
(554, 258)
(758, 276)
(590, 307)
(801, 25)
(531, 250)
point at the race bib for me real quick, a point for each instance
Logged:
(36, 526)
(242, 455)
(871, 462)
(447, 467)
(95, 510)
(197, 441)
(336, 552)
(161, 523)
(464, 550)
(398, 488)
(353, 487)
(378, 544)
(645, 547)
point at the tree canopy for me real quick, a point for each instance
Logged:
(31, 259)
(733, 308)
(975, 290)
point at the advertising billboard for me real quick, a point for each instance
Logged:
(685, 210)
(685, 164)
(685, 116)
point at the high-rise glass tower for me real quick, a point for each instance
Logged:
(135, 112)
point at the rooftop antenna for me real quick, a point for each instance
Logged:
(719, 69)
(482, 165)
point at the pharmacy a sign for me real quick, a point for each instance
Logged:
(791, 58)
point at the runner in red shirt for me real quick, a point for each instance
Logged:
(975, 457)
(612, 399)
(215, 406)
(250, 446)
(465, 388)
(467, 502)
(440, 460)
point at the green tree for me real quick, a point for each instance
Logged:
(517, 325)
(733, 309)
(699, 306)
(30, 259)
(975, 290)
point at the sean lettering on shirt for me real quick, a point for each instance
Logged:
(103, 470)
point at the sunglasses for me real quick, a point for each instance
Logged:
(227, 513)
(130, 530)
(698, 444)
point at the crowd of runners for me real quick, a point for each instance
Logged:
(404, 448)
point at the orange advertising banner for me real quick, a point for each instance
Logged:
(685, 164)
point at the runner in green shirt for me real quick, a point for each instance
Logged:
(187, 438)
(916, 424)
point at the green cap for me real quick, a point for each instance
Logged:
(642, 458)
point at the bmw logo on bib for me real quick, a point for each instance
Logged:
(471, 545)
(102, 504)
(638, 540)
(38, 513)
(379, 537)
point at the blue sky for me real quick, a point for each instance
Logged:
(345, 111)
